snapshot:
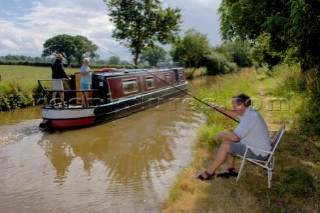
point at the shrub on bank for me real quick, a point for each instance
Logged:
(217, 63)
(14, 97)
(304, 86)
(191, 73)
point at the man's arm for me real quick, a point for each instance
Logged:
(226, 111)
(65, 75)
(226, 137)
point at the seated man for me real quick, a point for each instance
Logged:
(252, 130)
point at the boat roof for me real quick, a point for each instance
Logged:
(119, 72)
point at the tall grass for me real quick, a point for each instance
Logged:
(191, 73)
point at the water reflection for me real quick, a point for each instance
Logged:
(130, 149)
(19, 115)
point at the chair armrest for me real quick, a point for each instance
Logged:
(257, 149)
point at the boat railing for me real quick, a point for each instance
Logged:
(73, 98)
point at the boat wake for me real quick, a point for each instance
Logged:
(13, 133)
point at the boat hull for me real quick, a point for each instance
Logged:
(62, 118)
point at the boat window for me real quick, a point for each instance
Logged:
(150, 82)
(129, 85)
(168, 79)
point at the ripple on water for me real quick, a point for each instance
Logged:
(12, 133)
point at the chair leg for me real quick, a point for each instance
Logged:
(241, 167)
(269, 177)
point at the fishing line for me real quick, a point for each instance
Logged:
(169, 84)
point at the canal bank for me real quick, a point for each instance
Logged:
(295, 184)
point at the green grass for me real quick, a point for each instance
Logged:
(25, 76)
(296, 181)
(19, 85)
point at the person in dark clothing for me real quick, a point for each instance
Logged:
(58, 74)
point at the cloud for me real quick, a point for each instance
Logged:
(45, 20)
(8, 44)
(29, 27)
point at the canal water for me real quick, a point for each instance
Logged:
(127, 165)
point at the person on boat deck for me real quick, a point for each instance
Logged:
(85, 81)
(252, 131)
(58, 73)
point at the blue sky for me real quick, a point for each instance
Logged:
(26, 24)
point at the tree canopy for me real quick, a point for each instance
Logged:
(290, 26)
(71, 47)
(141, 23)
(237, 52)
(191, 48)
(153, 55)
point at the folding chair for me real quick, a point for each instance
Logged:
(269, 163)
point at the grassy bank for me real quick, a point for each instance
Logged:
(19, 84)
(25, 76)
(296, 180)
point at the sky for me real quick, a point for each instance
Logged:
(26, 24)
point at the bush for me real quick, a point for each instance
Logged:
(14, 97)
(309, 115)
(192, 73)
(217, 63)
(307, 84)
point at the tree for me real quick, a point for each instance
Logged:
(191, 48)
(114, 60)
(84, 48)
(141, 23)
(71, 47)
(236, 51)
(153, 55)
(261, 53)
(292, 29)
(291, 25)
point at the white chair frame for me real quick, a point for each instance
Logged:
(270, 162)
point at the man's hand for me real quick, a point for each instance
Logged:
(216, 107)
(219, 136)
(223, 110)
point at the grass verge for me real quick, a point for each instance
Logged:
(295, 184)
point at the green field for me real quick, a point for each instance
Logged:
(26, 76)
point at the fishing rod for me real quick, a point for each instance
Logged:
(170, 84)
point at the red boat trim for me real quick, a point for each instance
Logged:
(68, 123)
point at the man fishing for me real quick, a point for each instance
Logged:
(252, 131)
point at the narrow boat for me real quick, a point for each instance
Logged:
(115, 93)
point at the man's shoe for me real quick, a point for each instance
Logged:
(205, 176)
(230, 173)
